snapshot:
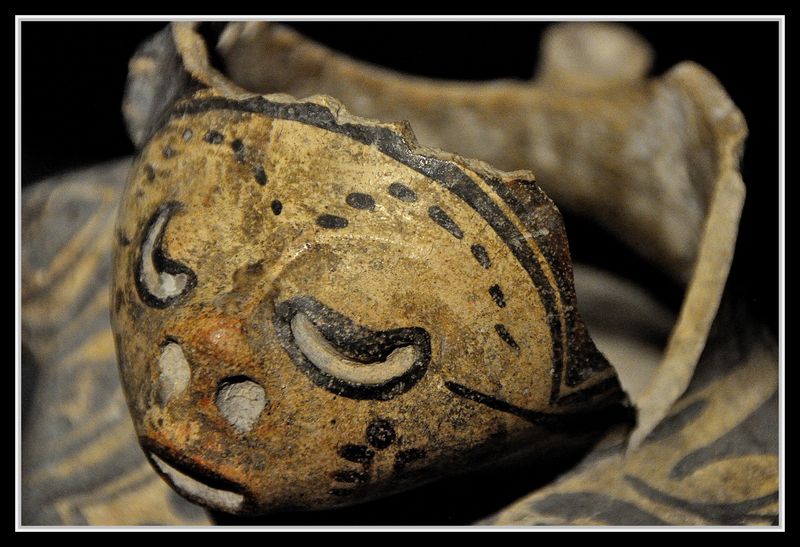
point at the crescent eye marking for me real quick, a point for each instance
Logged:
(349, 359)
(322, 354)
(160, 281)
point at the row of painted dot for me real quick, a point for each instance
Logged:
(380, 435)
(401, 192)
(358, 200)
(259, 174)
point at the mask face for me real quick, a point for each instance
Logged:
(310, 310)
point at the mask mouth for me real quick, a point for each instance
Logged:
(347, 358)
(199, 485)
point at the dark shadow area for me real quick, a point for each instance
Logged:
(73, 76)
(457, 500)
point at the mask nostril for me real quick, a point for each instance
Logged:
(174, 372)
(240, 400)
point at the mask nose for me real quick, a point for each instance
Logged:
(173, 372)
(206, 374)
(240, 400)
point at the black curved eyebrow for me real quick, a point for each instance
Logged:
(355, 342)
(161, 262)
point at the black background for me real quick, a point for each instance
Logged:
(73, 76)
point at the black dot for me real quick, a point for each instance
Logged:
(260, 175)
(118, 300)
(402, 192)
(237, 145)
(331, 221)
(380, 434)
(213, 137)
(480, 254)
(276, 207)
(441, 218)
(405, 457)
(357, 453)
(150, 172)
(357, 200)
(167, 152)
(504, 335)
(497, 295)
(350, 476)
(122, 239)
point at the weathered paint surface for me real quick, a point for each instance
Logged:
(392, 288)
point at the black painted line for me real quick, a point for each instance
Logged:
(122, 238)
(497, 295)
(481, 255)
(405, 457)
(350, 476)
(260, 175)
(573, 506)
(357, 200)
(239, 151)
(581, 421)
(447, 174)
(567, 365)
(175, 459)
(604, 386)
(357, 453)
(443, 219)
(504, 335)
(723, 513)
(237, 146)
(357, 342)
(331, 221)
(402, 192)
(161, 261)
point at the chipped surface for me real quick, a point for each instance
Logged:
(241, 401)
(729, 478)
(366, 278)
(174, 372)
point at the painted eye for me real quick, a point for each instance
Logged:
(160, 280)
(350, 359)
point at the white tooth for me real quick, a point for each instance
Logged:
(212, 497)
(325, 357)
